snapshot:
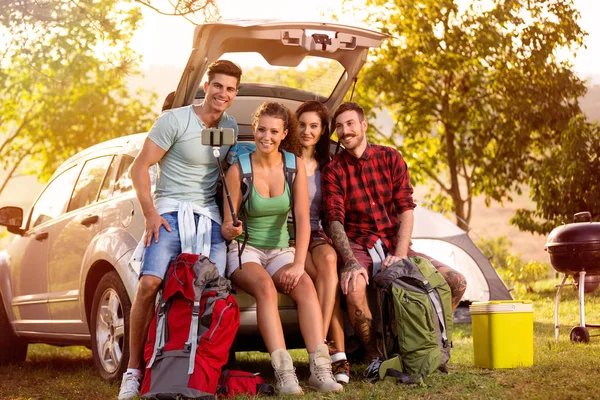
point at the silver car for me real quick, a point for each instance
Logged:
(66, 278)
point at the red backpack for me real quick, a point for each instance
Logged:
(191, 333)
(234, 383)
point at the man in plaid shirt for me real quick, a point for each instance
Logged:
(368, 205)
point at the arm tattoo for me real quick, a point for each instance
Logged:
(398, 233)
(341, 242)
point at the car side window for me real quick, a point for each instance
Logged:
(54, 199)
(123, 181)
(88, 184)
(105, 189)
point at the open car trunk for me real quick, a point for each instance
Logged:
(341, 49)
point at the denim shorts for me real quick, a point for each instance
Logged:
(158, 256)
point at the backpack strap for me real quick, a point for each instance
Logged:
(247, 178)
(192, 343)
(247, 185)
(290, 169)
(159, 341)
(439, 310)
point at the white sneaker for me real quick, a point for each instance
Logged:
(130, 386)
(285, 373)
(321, 378)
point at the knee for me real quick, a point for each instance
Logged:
(456, 281)
(265, 290)
(328, 268)
(331, 260)
(357, 296)
(305, 284)
(148, 286)
(304, 290)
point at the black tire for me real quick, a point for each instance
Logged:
(110, 328)
(580, 334)
(12, 349)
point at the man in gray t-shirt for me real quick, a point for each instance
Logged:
(187, 178)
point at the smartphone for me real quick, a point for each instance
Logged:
(218, 137)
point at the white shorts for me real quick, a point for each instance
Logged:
(271, 259)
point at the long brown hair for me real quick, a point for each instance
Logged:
(291, 142)
(322, 147)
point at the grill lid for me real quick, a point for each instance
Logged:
(577, 233)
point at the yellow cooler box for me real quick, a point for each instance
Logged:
(502, 333)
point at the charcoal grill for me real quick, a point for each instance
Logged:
(574, 250)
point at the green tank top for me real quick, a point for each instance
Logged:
(267, 220)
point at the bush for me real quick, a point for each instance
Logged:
(518, 274)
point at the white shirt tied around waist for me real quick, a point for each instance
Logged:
(195, 240)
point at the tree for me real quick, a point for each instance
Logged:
(478, 93)
(565, 181)
(63, 66)
(192, 10)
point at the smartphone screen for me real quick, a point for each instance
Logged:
(218, 137)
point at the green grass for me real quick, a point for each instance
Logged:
(563, 371)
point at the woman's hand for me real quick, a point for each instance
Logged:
(290, 276)
(229, 231)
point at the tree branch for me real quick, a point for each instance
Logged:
(176, 8)
(14, 168)
(437, 180)
(24, 123)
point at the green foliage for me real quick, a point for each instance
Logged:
(63, 71)
(518, 274)
(565, 181)
(477, 90)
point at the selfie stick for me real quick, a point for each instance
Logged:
(217, 154)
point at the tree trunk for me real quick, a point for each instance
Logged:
(453, 168)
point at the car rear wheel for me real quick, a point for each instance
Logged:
(12, 350)
(110, 327)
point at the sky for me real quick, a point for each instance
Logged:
(167, 40)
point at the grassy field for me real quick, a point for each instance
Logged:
(563, 371)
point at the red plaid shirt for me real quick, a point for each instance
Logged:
(367, 194)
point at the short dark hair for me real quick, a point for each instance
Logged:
(349, 106)
(322, 148)
(224, 67)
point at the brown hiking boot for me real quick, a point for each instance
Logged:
(339, 364)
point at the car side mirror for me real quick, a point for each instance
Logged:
(12, 218)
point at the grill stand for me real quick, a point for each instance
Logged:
(578, 333)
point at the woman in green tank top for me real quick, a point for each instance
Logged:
(269, 264)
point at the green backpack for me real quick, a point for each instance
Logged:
(416, 311)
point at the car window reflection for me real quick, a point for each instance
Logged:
(53, 200)
(88, 184)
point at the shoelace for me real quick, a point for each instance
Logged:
(286, 375)
(373, 368)
(130, 384)
(324, 372)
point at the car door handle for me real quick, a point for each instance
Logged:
(89, 220)
(41, 236)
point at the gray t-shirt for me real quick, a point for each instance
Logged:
(314, 199)
(188, 171)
